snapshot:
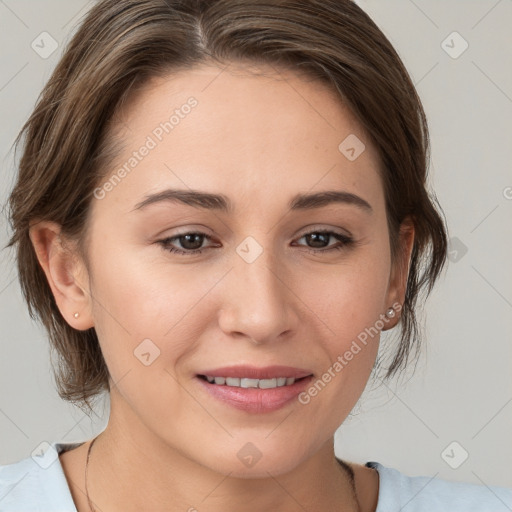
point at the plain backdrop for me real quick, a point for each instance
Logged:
(458, 403)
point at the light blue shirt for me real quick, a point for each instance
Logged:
(38, 484)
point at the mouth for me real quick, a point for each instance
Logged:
(255, 390)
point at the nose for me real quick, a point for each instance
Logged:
(258, 303)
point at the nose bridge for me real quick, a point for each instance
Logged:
(258, 303)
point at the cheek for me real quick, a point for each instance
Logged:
(148, 311)
(348, 306)
(349, 298)
(142, 292)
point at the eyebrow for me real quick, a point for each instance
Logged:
(220, 202)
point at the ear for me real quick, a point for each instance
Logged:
(65, 272)
(400, 271)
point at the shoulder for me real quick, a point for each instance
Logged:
(36, 482)
(427, 493)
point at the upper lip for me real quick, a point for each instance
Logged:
(253, 372)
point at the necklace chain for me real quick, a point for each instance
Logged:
(346, 468)
(86, 467)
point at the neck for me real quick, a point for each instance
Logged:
(132, 470)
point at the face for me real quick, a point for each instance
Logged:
(256, 278)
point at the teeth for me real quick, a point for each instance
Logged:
(252, 383)
(249, 383)
(268, 383)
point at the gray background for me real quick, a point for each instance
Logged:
(461, 390)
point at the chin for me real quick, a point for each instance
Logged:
(249, 462)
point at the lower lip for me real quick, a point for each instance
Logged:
(256, 400)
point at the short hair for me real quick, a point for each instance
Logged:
(121, 44)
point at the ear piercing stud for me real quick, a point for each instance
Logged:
(76, 315)
(390, 313)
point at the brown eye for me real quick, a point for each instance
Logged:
(191, 243)
(319, 240)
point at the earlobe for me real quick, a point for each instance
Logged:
(65, 273)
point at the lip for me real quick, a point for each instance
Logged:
(255, 400)
(253, 372)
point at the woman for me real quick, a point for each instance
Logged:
(220, 205)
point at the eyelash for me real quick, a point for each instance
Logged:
(347, 242)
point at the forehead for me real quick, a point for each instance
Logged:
(244, 129)
(242, 96)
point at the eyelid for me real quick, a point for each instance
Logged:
(181, 231)
(322, 228)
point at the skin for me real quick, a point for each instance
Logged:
(258, 139)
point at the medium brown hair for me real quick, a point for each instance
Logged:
(121, 44)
